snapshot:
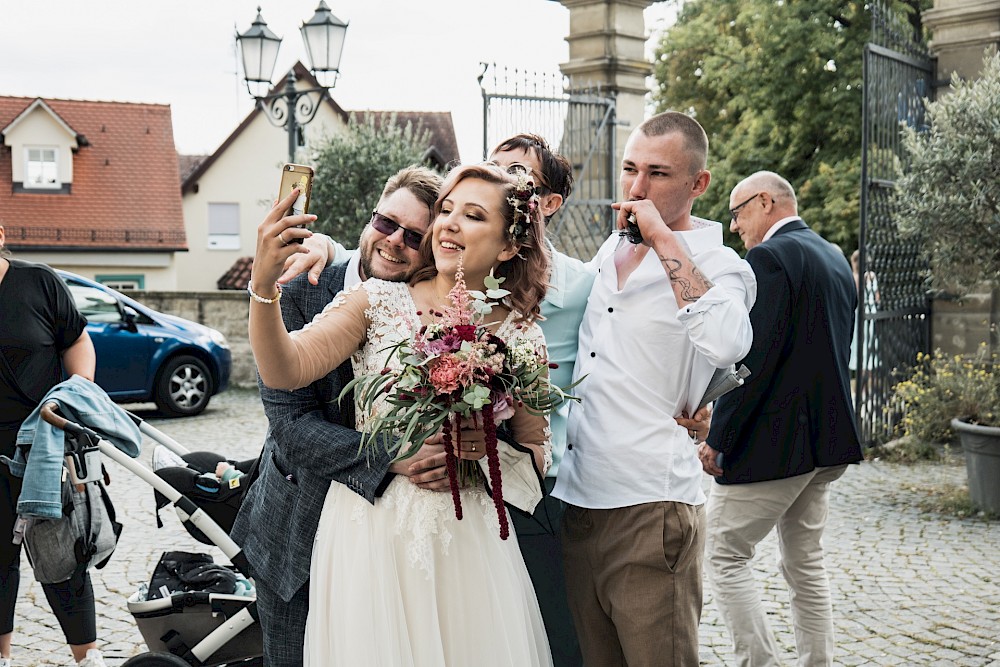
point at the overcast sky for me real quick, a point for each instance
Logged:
(399, 54)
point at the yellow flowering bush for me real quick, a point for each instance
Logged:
(944, 387)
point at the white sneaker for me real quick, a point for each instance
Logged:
(165, 458)
(93, 659)
(5, 662)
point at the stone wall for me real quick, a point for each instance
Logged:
(226, 311)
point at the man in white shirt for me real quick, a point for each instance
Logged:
(662, 316)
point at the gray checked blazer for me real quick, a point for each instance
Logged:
(311, 441)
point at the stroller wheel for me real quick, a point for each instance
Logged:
(156, 660)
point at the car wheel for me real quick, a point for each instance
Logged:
(156, 660)
(183, 387)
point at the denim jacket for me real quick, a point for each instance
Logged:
(39, 454)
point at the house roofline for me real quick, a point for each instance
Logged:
(34, 104)
(301, 74)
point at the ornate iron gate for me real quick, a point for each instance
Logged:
(894, 310)
(579, 123)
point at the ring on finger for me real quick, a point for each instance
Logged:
(282, 238)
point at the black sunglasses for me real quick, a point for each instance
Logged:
(384, 225)
(735, 211)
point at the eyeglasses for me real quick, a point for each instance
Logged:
(384, 225)
(735, 211)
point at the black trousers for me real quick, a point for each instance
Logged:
(541, 548)
(72, 601)
(283, 624)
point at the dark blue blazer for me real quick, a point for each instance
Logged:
(795, 412)
(311, 441)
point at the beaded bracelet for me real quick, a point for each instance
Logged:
(258, 298)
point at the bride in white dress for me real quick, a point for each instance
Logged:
(402, 582)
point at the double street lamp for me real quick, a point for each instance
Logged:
(292, 108)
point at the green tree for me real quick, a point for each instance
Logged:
(351, 170)
(948, 197)
(777, 85)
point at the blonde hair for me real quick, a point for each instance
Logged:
(527, 272)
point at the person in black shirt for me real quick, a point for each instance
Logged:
(42, 335)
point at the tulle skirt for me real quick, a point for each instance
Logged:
(402, 583)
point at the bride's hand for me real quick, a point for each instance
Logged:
(274, 243)
(473, 440)
(427, 468)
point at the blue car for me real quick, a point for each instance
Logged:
(143, 355)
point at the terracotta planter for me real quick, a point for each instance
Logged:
(981, 445)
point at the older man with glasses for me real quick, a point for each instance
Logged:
(788, 433)
(735, 211)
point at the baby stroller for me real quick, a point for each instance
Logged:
(183, 625)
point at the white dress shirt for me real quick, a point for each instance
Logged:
(644, 361)
(352, 276)
(773, 229)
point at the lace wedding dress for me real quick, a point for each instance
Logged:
(403, 583)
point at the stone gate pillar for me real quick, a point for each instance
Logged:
(961, 30)
(607, 40)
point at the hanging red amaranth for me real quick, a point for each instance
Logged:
(451, 462)
(493, 458)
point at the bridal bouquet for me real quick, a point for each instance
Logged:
(452, 369)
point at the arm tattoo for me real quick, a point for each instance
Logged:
(691, 290)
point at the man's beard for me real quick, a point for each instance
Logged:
(403, 275)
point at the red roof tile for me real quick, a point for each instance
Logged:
(238, 275)
(188, 163)
(125, 193)
(443, 148)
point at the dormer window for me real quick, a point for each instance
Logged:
(41, 169)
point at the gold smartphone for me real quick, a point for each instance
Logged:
(296, 176)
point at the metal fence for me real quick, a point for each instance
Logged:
(579, 123)
(894, 310)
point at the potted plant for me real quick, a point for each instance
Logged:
(948, 200)
(954, 396)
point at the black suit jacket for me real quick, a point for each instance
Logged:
(794, 413)
(311, 441)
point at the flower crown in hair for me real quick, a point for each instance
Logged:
(524, 200)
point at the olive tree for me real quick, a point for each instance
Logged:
(948, 193)
(352, 167)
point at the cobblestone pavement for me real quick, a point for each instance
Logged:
(910, 588)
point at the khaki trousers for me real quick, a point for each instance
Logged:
(634, 584)
(739, 517)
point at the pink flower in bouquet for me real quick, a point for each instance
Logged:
(448, 373)
(450, 342)
(503, 407)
